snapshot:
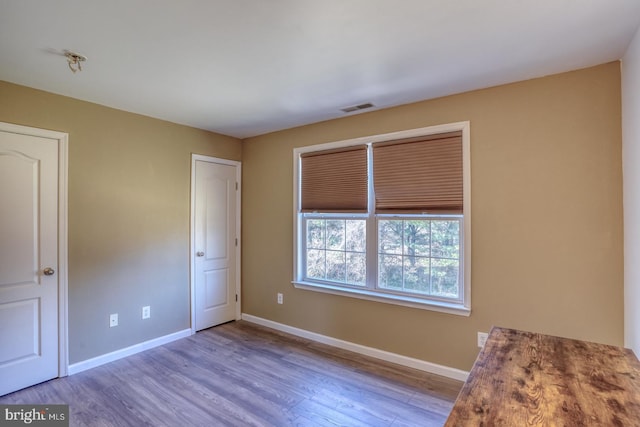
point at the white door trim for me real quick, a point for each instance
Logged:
(63, 284)
(192, 228)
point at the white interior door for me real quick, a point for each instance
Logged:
(215, 234)
(28, 260)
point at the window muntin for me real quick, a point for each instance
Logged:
(420, 255)
(448, 263)
(416, 254)
(335, 250)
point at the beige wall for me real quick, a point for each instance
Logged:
(128, 215)
(546, 226)
(547, 218)
(631, 160)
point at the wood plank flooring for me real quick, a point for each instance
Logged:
(241, 374)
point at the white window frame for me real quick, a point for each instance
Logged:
(461, 307)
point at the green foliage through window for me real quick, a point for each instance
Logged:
(336, 250)
(419, 256)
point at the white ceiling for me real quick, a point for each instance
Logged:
(248, 67)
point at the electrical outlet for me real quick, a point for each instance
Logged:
(113, 320)
(280, 298)
(146, 312)
(482, 338)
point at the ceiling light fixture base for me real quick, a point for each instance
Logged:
(75, 60)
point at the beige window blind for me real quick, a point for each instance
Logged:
(422, 174)
(334, 180)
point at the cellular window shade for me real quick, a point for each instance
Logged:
(334, 180)
(421, 174)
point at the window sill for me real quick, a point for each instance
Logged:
(442, 307)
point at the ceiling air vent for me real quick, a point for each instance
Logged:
(357, 107)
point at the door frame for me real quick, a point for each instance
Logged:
(63, 278)
(192, 231)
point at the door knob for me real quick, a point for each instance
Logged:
(199, 253)
(49, 271)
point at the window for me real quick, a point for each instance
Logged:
(336, 250)
(387, 218)
(420, 256)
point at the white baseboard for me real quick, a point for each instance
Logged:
(410, 362)
(128, 351)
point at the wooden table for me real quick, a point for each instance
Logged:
(525, 379)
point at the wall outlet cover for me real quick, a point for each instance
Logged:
(482, 338)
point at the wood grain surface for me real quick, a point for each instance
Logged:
(526, 379)
(239, 374)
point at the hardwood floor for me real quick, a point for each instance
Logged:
(241, 374)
